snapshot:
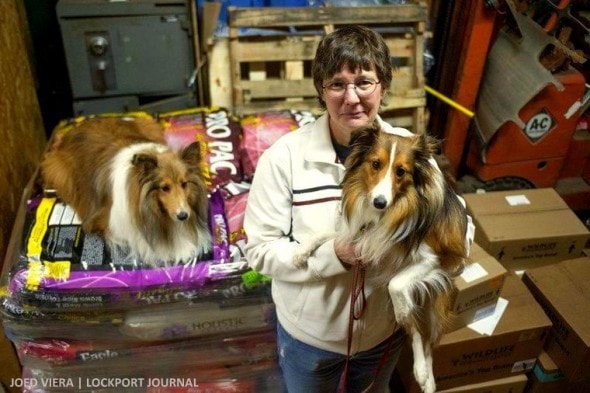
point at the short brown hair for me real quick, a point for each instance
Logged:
(354, 46)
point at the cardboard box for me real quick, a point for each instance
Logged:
(466, 357)
(526, 228)
(514, 384)
(477, 289)
(546, 377)
(563, 290)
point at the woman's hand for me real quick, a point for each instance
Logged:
(346, 253)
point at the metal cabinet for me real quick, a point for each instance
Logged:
(121, 54)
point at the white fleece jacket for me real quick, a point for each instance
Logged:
(296, 193)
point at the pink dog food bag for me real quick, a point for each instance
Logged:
(262, 129)
(220, 134)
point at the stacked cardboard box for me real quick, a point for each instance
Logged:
(546, 377)
(477, 289)
(466, 356)
(534, 233)
(563, 290)
(523, 229)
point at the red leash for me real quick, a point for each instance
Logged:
(358, 293)
(357, 289)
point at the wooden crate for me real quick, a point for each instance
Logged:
(271, 50)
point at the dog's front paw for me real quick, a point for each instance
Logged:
(420, 372)
(424, 377)
(429, 386)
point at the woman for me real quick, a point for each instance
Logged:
(295, 194)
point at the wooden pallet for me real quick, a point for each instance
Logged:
(271, 50)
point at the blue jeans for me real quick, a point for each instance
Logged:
(307, 369)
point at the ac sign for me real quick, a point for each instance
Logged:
(539, 125)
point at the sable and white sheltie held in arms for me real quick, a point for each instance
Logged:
(408, 224)
(127, 185)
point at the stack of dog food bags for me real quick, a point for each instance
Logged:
(85, 318)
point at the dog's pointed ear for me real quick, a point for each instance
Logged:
(361, 141)
(427, 177)
(365, 136)
(191, 154)
(427, 146)
(144, 161)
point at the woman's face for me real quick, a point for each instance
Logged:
(349, 111)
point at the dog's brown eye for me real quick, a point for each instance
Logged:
(376, 165)
(399, 172)
(165, 188)
(184, 184)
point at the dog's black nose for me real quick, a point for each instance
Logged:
(380, 202)
(182, 216)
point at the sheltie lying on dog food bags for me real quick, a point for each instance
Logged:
(62, 266)
(128, 186)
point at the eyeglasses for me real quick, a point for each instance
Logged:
(362, 88)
